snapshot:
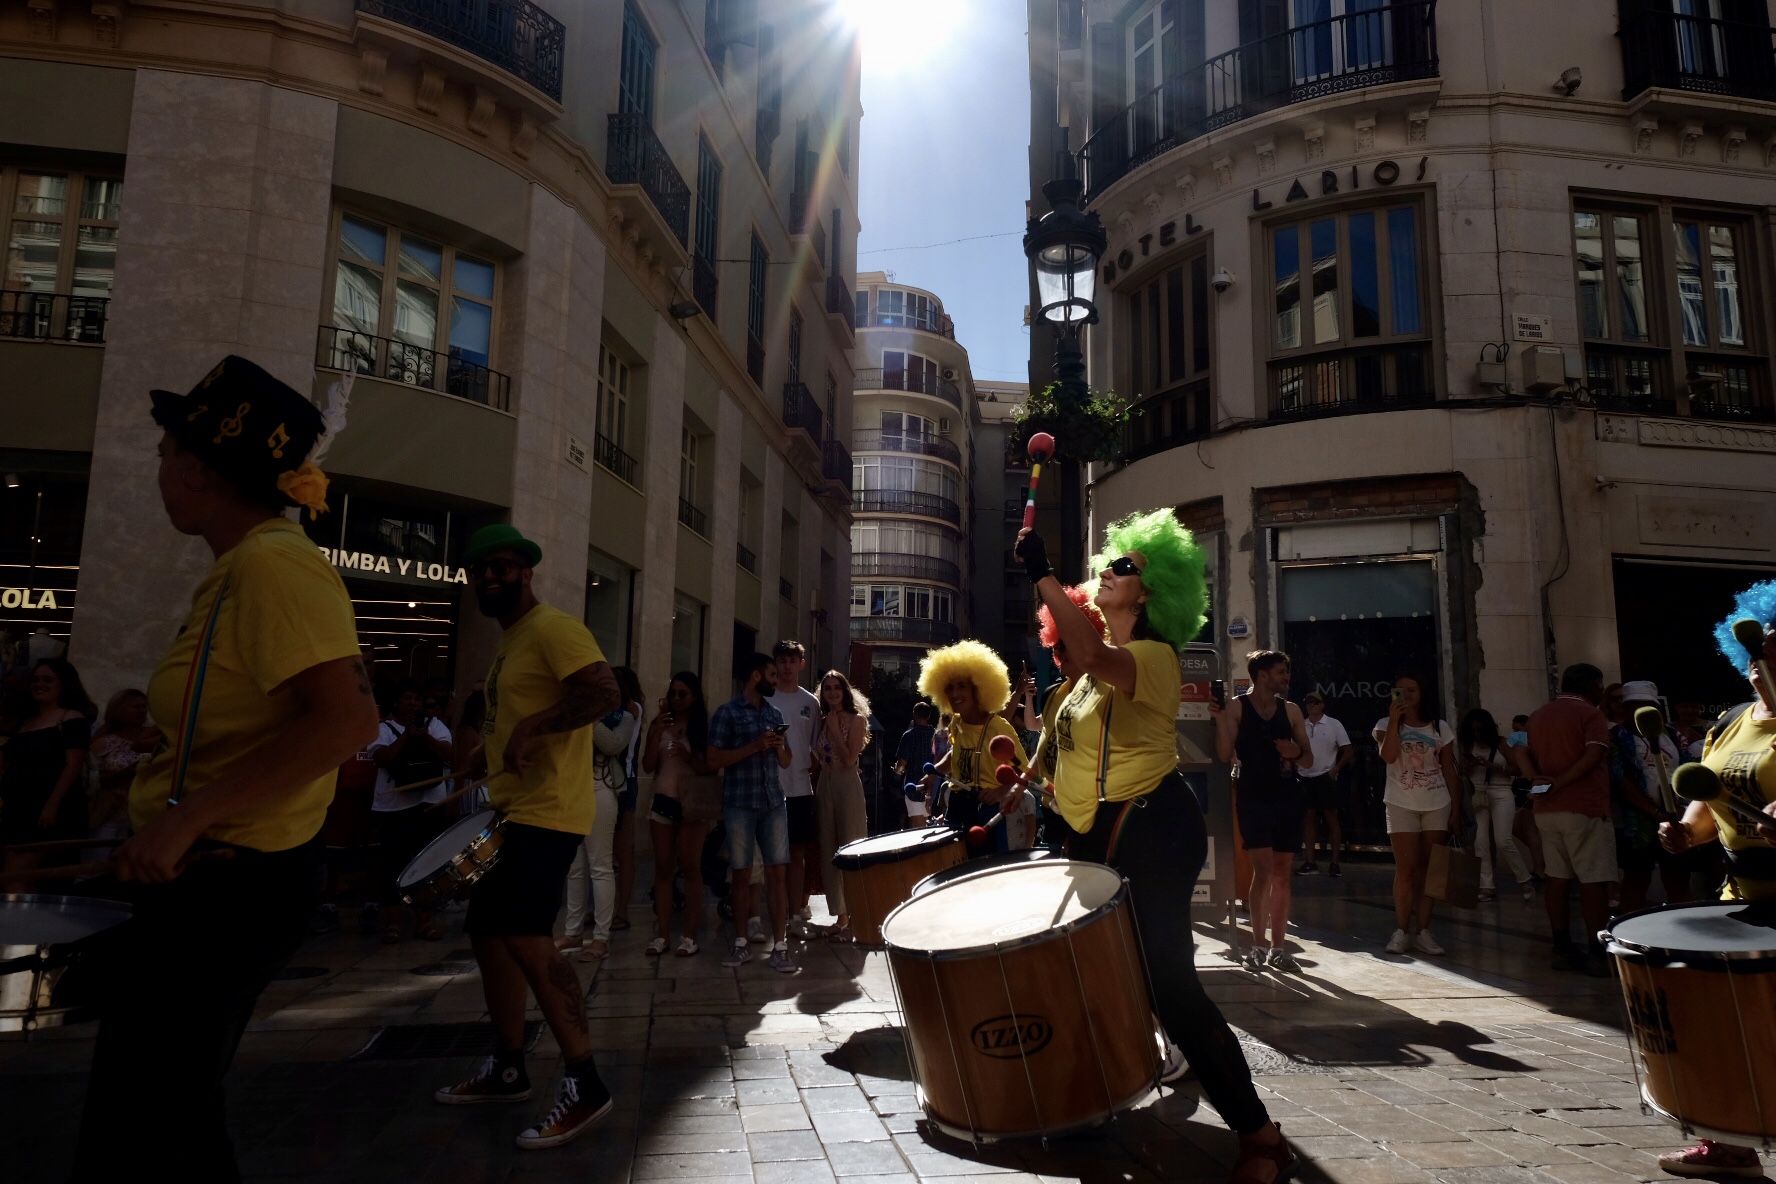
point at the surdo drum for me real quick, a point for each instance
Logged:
(51, 958)
(1025, 999)
(1699, 983)
(880, 872)
(450, 863)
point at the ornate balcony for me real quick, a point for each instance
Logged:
(1700, 54)
(691, 515)
(638, 165)
(400, 361)
(914, 567)
(906, 501)
(1379, 378)
(53, 316)
(608, 454)
(514, 35)
(917, 445)
(835, 467)
(801, 411)
(1394, 42)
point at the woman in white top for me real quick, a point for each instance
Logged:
(1490, 765)
(686, 804)
(1423, 806)
(593, 867)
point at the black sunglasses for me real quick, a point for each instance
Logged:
(499, 567)
(1123, 565)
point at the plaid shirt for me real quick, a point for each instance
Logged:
(751, 783)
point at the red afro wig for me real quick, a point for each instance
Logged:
(1048, 633)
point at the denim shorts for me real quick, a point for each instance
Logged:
(766, 830)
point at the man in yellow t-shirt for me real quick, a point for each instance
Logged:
(548, 683)
(969, 681)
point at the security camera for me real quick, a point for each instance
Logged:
(1570, 78)
(1222, 279)
(683, 310)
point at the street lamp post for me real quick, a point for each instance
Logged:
(1064, 247)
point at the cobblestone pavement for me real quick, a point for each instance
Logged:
(1480, 1067)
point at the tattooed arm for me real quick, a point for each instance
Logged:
(588, 694)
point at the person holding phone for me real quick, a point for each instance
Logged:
(746, 744)
(1423, 802)
(686, 804)
(411, 749)
(843, 735)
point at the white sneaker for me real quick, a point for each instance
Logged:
(755, 931)
(1424, 943)
(1398, 942)
(1175, 1067)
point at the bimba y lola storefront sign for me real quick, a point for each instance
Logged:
(1330, 183)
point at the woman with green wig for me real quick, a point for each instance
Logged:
(1118, 789)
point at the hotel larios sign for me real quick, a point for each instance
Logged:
(1331, 183)
(368, 563)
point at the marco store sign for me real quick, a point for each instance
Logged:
(394, 567)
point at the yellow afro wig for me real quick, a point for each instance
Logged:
(970, 660)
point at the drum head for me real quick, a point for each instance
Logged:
(1001, 906)
(981, 865)
(1728, 930)
(29, 920)
(445, 847)
(891, 847)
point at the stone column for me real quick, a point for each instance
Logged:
(222, 244)
(551, 340)
(718, 648)
(657, 580)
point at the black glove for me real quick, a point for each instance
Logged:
(1034, 556)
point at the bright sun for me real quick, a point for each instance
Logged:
(899, 35)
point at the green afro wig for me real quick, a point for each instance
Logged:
(970, 660)
(1177, 590)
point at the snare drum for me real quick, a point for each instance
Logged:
(880, 872)
(1699, 982)
(448, 864)
(51, 958)
(1005, 1036)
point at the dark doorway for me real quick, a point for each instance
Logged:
(1665, 618)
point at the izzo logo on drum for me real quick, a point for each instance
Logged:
(1007, 1036)
(1649, 1014)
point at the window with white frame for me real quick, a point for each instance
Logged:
(612, 446)
(920, 602)
(907, 310)
(906, 474)
(61, 253)
(903, 371)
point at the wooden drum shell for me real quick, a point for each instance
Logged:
(882, 885)
(1087, 1053)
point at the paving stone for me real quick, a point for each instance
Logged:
(1494, 1174)
(653, 1144)
(773, 1146)
(1562, 1134)
(1451, 1155)
(849, 1128)
(1385, 1169)
(1337, 1147)
(768, 1091)
(798, 1171)
(1526, 1149)
(758, 1120)
(834, 1099)
(865, 1159)
(734, 1166)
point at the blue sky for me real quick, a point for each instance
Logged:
(943, 151)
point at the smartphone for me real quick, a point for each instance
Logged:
(1398, 694)
(781, 729)
(1218, 692)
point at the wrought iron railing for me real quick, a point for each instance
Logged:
(835, 463)
(401, 361)
(635, 156)
(785, 589)
(871, 440)
(705, 284)
(1697, 53)
(1377, 378)
(691, 515)
(875, 378)
(745, 558)
(53, 316)
(516, 36)
(609, 453)
(840, 302)
(910, 629)
(800, 410)
(1391, 42)
(915, 567)
(906, 501)
(1169, 420)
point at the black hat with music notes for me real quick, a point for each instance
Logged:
(252, 428)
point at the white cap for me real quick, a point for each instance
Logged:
(1639, 692)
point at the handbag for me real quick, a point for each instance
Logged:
(1453, 876)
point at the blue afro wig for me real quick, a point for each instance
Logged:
(1757, 602)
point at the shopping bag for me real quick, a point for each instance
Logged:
(1453, 877)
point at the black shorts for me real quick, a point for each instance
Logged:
(804, 821)
(1319, 793)
(522, 894)
(1271, 820)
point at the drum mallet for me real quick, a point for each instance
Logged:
(1041, 448)
(1750, 634)
(1009, 778)
(1699, 783)
(1649, 721)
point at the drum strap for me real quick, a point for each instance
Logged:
(1122, 817)
(1104, 749)
(194, 685)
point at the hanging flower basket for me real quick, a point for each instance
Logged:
(1092, 429)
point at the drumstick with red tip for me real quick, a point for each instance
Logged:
(1008, 778)
(1040, 448)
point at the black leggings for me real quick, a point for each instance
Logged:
(1161, 849)
(191, 964)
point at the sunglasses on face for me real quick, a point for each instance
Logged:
(499, 567)
(1123, 565)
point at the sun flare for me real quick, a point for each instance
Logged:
(899, 35)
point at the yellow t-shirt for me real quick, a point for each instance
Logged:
(1048, 746)
(1143, 739)
(284, 611)
(1741, 756)
(971, 758)
(555, 790)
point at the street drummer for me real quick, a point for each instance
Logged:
(1042, 763)
(548, 684)
(263, 696)
(969, 681)
(1741, 749)
(1123, 801)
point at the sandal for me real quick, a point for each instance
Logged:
(566, 942)
(1247, 1169)
(594, 950)
(687, 947)
(656, 947)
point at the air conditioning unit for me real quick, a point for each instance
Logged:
(943, 426)
(950, 373)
